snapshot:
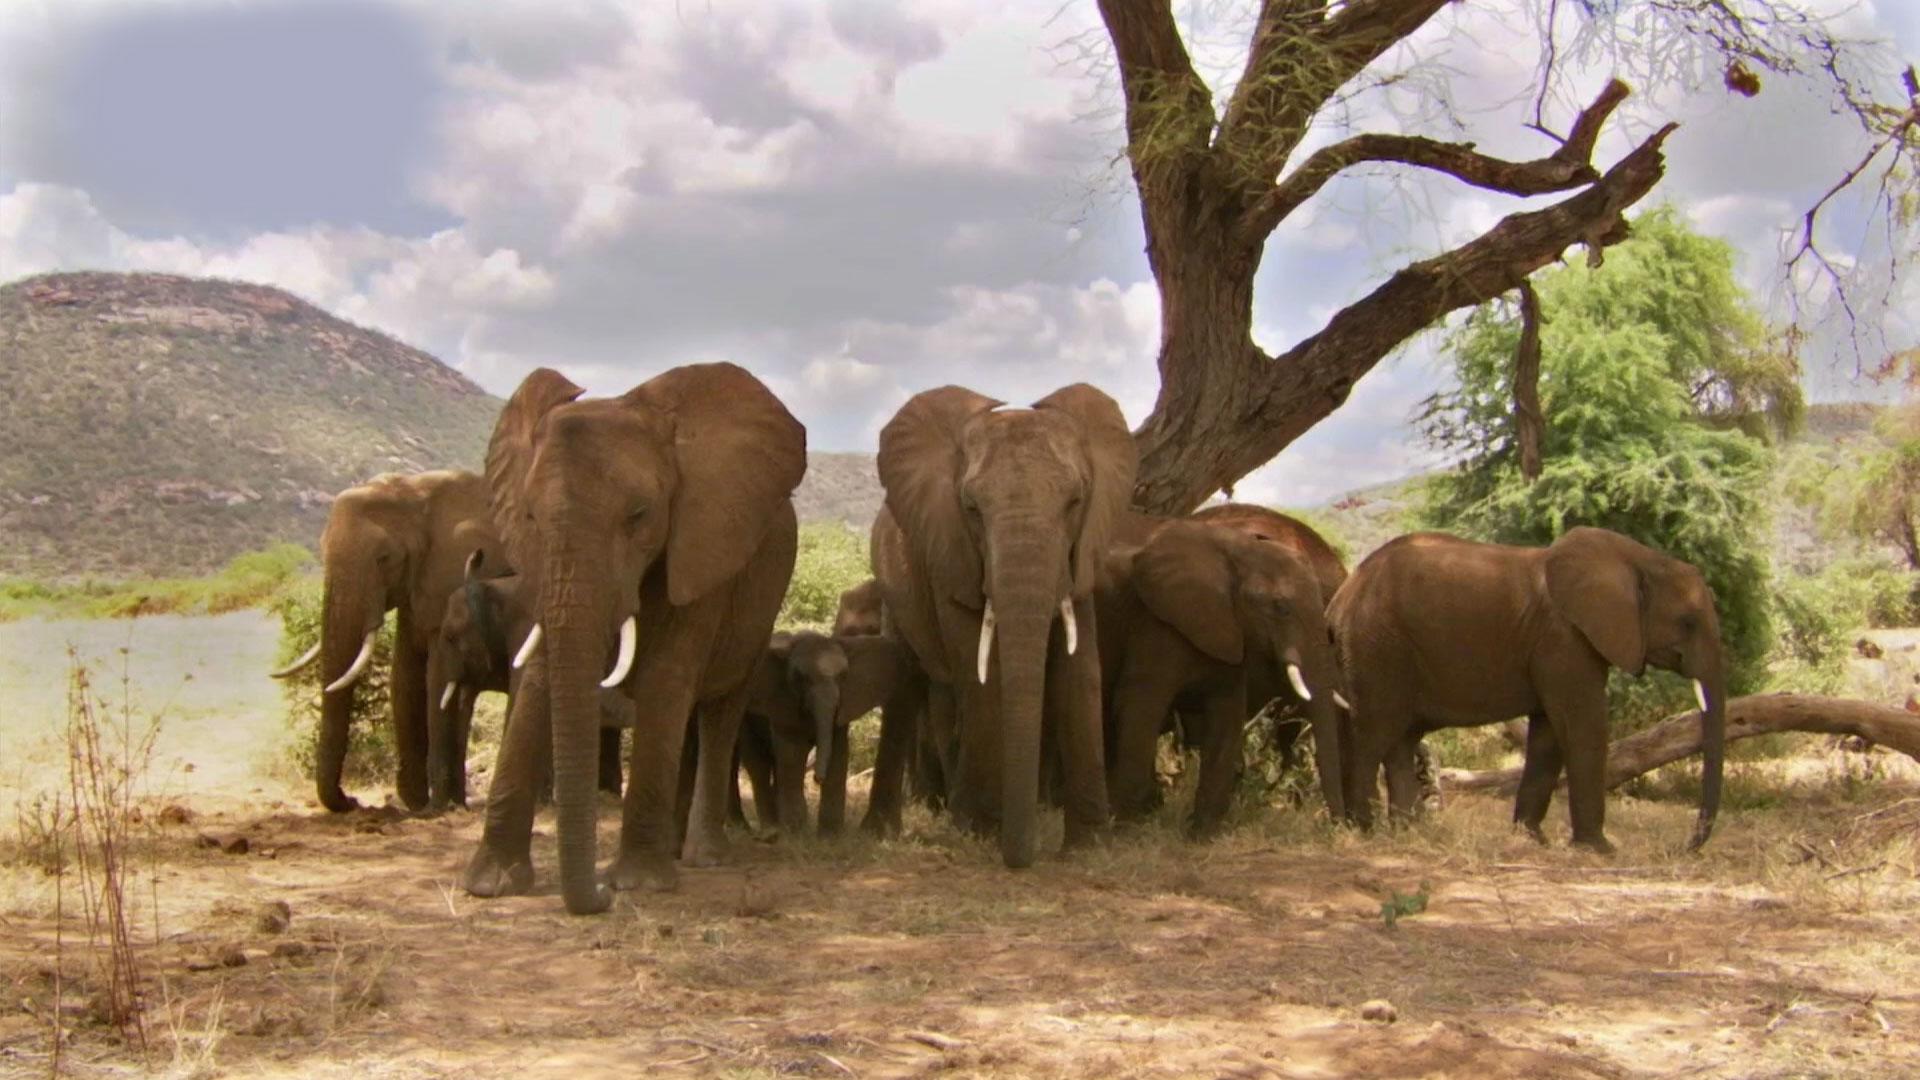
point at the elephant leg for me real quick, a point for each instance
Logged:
(465, 698)
(1220, 758)
(610, 760)
(1403, 781)
(706, 843)
(503, 863)
(833, 793)
(1380, 720)
(942, 741)
(899, 736)
(756, 757)
(1073, 692)
(649, 818)
(974, 800)
(1538, 775)
(689, 773)
(1580, 723)
(441, 723)
(411, 701)
(790, 782)
(1140, 706)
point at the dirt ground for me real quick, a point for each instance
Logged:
(1787, 949)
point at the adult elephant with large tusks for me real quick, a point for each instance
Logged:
(657, 530)
(395, 543)
(986, 552)
(1435, 631)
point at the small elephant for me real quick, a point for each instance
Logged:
(394, 543)
(1207, 619)
(995, 524)
(806, 691)
(485, 623)
(861, 611)
(1435, 631)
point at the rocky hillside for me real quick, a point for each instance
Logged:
(160, 425)
(152, 424)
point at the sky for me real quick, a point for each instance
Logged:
(855, 199)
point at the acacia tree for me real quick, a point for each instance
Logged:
(1216, 178)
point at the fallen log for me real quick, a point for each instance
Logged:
(1758, 714)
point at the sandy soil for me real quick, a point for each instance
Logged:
(1787, 949)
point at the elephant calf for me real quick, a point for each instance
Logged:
(485, 624)
(805, 691)
(1435, 631)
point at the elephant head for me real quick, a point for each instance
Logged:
(1636, 606)
(812, 667)
(1007, 514)
(674, 484)
(1243, 601)
(475, 631)
(859, 612)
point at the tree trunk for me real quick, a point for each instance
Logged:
(1679, 736)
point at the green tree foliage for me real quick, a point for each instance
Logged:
(1883, 501)
(832, 559)
(1660, 392)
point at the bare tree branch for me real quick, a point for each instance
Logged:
(1529, 423)
(1566, 168)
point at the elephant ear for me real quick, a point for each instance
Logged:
(510, 455)
(1113, 459)
(740, 454)
(873, 672)
(1596, 586)
(1186, 580)
(920, 465)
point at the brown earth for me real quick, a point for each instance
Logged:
(1787, 949)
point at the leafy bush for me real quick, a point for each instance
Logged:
(249, 580)
(1821, 615)
(371, 753)
(832, 559)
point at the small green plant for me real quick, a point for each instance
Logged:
(832, 559)
(250, 580)
(1399, 905)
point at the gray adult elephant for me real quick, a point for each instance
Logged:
(663, 519)
(808, 688)
(1435, 631)
(995, 523)
(486, 622)
(395, 543)
(1205, 618)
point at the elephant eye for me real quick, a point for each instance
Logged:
(639, 511)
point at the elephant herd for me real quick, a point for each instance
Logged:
(1027, 635)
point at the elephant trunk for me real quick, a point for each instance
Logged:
(575, 646)
(1316, 676)
(1711, 687)
(348, 617)
(823, 702)
(1028, 582)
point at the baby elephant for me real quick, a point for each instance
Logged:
(1435, 631)
(806, 690)
(487, 620)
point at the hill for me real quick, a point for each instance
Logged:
(160, 425)
(152, 424)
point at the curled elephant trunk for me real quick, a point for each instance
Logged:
(1711, 692)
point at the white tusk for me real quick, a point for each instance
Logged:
(1299, 684)
(1073, 628)
(1700, 694)
(629, 635)
(359, 664)
(526, 648)
(305, 659)
(1341, 702)
(986, 640)
(446, 696)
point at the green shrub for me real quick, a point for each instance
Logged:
(832, 559)
(371, 754)
(250, 580)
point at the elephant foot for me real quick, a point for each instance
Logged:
(1082, 837)
(1534, 831)
(339, 802)
(1200, 831)
(1597, 844)
(490, 874)
(881, 824)
(704, 852)
(636, 871)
